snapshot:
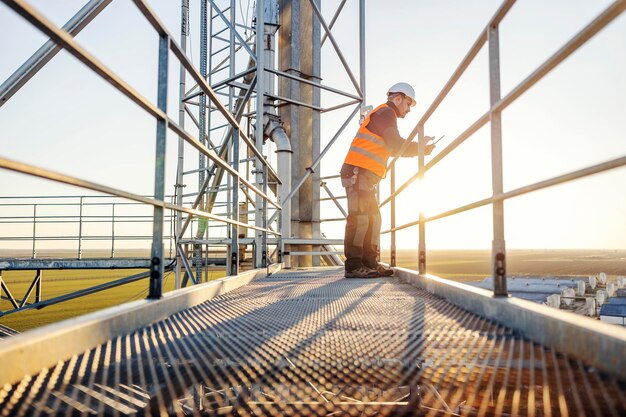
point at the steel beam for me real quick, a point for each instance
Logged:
(362, 72)
(80, 229)
(421, 255)
(34, 252)
(315, 92)
(12, 264)
(259, 105)
(156, 263)
(183, 258)
(498, 250)
(44, 54)
(392, 188)
(233, 260)
(314, 84)
(287, 101)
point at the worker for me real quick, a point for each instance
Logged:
(365, 165)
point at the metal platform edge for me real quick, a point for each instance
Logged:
(598, 344)
(31, 351)
(17, 264)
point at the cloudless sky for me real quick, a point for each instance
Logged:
(68, 119)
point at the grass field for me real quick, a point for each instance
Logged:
(474, 265)
(57, 283)
(457, 265)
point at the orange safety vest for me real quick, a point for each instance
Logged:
(368, 150)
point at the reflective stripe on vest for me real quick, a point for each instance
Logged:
(368, 150)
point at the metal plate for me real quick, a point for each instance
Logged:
(312, 343)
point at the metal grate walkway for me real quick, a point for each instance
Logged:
(307, 342)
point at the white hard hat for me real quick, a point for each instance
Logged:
(404, 88)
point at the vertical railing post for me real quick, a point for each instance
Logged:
(392, 184)
(233, 181)
(80, 229)
(234, 229)
(422, 229)
(112, 230)
(156, 264)
(260, 99)
(264, 262)
(498, 254)
(280, 242)
(34, 230)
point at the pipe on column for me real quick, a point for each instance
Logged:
(276, 132)
(273, 128)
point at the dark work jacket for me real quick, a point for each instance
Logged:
(385, 124)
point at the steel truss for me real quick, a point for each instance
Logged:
(233, 66)
(232, 94)
(166, 45)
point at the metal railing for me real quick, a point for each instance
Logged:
(166, 45)
(489, 36)
(74, 220)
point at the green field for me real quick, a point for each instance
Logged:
(457, 265)
(56, 283)
(475, 265)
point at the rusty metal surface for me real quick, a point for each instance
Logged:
(309, 342)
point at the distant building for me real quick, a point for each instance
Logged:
(614, 311)
(534, 288)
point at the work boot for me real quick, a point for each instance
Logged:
(383, 271)
(362, 272)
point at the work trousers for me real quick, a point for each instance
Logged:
(363, 223)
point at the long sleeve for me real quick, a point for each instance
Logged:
(384, 123)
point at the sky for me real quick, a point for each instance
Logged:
(68, 119)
